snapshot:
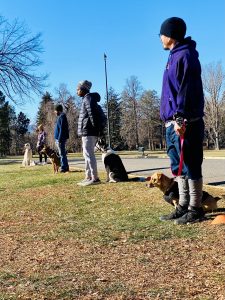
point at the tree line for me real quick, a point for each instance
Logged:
(133, 117)
(133, 114)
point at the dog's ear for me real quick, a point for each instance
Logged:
(159, 176)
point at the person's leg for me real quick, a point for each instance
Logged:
(86, 160)
(183, 188)
(193, 156)
(63, 157)
(45, 157)
(89, 155)
(173, 151)
(40, 157)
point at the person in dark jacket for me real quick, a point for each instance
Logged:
(61, 135)
(182, 110)
(88, 129)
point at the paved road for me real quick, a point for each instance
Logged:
(213, 169)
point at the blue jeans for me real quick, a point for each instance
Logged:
(61, 147)
(173, 150)
(192, 149)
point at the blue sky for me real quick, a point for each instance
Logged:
(77, 33)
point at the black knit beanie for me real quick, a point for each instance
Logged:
(58, 107)
(174, 27)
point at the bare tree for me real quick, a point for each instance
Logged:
(130, 111)
(19, 58)
(213, 78)
(150, 124)
(71, 108)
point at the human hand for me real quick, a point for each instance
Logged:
(180, 130)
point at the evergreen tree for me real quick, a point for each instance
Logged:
(114, 118)
(21, 128)
(5, 135)
(46, 103)
(46, 117)
(72, 113)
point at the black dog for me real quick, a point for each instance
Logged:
(115, 169)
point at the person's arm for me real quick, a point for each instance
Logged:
(183, 80)
(59, 129)
(91, 108)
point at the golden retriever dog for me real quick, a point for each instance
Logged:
(55, 159)
(169, 187)
(27, 158)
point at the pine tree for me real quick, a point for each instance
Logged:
(46, 117)
(5, 135)
(46, 103)
(72, 113)
(114, 118)
(21, 128)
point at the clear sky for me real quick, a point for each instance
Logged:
(77, 33)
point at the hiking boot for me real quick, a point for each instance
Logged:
(177, 213)
(193, 215)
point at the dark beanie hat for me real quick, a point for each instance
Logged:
(58, 107)
(174, 27)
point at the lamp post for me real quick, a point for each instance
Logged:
(107, 101)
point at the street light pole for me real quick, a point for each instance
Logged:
(107, 101)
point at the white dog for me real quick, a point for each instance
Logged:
(27, 159)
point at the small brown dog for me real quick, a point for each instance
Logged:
(169, 187)
(55, 159)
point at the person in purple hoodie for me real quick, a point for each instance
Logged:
(182, 110)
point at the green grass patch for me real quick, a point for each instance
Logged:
(104, 213)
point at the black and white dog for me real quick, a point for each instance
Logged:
(115, 169)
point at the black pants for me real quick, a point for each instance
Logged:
(41, 155)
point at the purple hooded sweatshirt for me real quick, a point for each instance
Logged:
(182, 90)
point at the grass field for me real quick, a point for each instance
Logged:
(62, 241)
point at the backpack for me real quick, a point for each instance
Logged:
(102, 119)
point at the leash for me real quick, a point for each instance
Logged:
(181, 155)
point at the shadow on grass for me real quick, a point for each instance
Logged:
(9, 161)
(217, 183)
(143, 170)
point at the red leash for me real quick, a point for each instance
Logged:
(181, 155)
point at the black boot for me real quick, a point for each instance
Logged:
(193, 215)
(177, 213)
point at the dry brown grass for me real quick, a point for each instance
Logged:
(61, 241)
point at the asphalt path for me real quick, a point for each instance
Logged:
(213, 168)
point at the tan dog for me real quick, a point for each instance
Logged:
(169, 187)
(55, 159)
